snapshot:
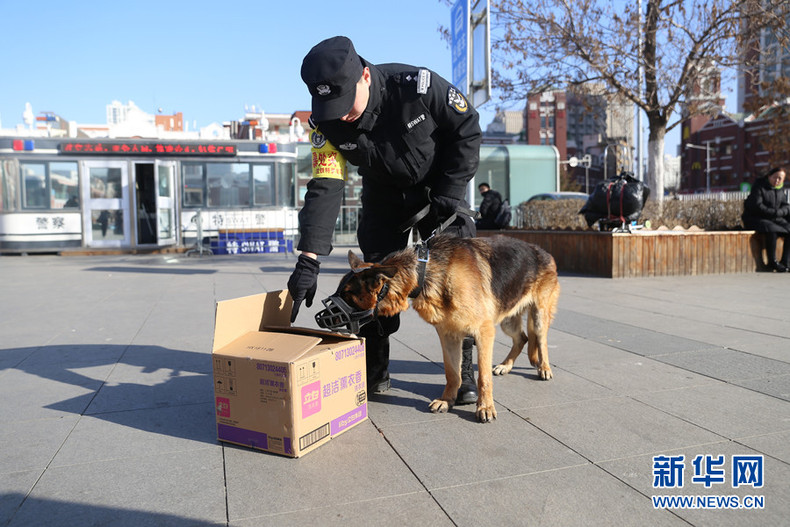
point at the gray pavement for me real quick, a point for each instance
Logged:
(107, 413)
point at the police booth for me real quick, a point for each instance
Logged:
(57, 194)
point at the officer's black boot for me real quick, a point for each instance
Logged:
(467, 394)
(377, 352)
(377, 356)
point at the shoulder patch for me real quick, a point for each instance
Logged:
(317, 139)
(456, 100)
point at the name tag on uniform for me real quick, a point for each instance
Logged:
(423, 81)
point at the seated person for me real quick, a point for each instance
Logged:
(767, 211)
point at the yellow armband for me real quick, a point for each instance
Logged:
(328, 162)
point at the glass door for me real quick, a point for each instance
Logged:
(106, 197)
(165, 202)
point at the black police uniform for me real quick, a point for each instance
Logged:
(418, 140)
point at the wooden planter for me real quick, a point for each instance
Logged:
(648, 253)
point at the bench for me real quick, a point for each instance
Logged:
(649, 253)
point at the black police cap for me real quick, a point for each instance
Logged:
(331, 71)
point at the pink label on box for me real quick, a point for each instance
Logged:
(349, 419)
(223, 407)
(311, 399)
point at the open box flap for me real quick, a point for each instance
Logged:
(233, 318)
(270, 346)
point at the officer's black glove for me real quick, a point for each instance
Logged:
(303, 283)
(442, 207)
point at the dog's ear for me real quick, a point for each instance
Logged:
(354, 260)
(387, 271)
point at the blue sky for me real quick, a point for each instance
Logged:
(207, 60)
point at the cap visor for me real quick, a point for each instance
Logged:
(329, 110)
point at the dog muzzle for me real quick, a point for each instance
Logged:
(338, 315)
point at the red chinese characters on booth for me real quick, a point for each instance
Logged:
(143, 148)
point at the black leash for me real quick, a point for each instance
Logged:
(422, 263)
(423, 212)
(423, 253)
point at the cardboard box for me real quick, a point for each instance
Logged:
(283, 389)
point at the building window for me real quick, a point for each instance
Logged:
(49, 185)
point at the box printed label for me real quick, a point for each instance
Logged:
(350, 351)
(272, 381)
(225, 366)
(225, 385)
(352, 381)
(349, 419)
(308, 372)
(311, 399)
(223, 407)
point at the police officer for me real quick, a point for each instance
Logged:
(416, 142)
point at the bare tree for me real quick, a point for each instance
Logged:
(771, 109)
(557, 44)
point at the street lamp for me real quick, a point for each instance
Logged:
(585, 161)
(707, 162)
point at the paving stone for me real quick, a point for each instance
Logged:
(356, 466)
(447, 452)
(583, 495)
(395, 511)
(727, 410)
(139, 433)
(181, 488)
(14, 487)
(603, 429)
(726, 364)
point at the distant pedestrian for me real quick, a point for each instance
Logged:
(767, 211)
(491, 214)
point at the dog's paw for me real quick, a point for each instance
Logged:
(545, 373)
(485, 413)
(502, 369)
(438, 406)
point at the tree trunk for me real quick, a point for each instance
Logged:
(655, 161)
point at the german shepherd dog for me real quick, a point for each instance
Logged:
(470, 285)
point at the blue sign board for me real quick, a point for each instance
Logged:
(460, 45)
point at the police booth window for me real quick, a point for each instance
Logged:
(273, 184)
(228, 184)
(285, 184)
(263, 181)
(49, 185)
(232, 185)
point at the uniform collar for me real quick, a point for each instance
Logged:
(377, 88)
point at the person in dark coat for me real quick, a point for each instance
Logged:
(416, 142)
(489, 207)
(767, 211)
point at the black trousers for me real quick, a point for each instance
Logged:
(384, 211)
(770, 247)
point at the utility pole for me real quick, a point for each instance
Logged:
(640, 174)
